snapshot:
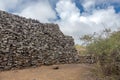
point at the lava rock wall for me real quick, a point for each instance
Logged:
(27, 42)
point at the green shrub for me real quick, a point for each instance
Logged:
(106, 48)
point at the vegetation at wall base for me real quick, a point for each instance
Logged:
(105, 46)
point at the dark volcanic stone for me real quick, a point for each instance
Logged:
(27, 42)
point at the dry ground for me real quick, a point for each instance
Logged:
(65, 72)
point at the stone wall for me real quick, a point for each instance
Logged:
(27, 42)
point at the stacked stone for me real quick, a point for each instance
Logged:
(27, 42)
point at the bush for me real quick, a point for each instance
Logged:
(106, 48)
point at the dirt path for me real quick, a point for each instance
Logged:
(65, 72)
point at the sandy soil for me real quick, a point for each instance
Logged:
(65, 72)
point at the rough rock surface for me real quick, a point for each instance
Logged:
(27, 42)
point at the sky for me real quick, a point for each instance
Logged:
(74, 17)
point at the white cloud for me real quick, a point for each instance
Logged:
(88, 4)
(109, 1)
(105, 16)
(2, 7)
(66, 8)
(71, 22)
(8, 4)
(40, 10)
(75, 24)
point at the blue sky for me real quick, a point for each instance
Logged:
(74, 17)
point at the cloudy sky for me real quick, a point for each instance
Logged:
(75, 17)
